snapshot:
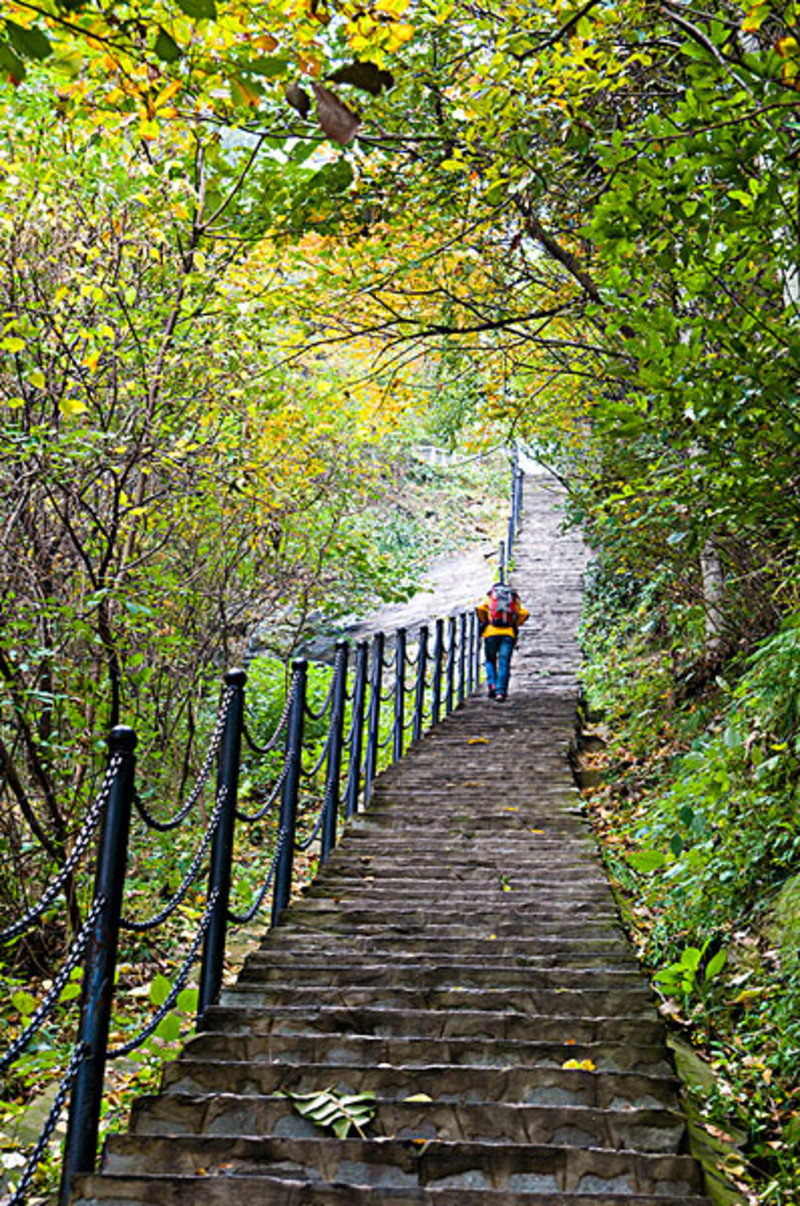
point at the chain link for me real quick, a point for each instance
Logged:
(78, 850)
(250, 817)
(21, 1189)
(310, 772)
(243, 918)
(205, 771)
(141, 927)
(48, 1004)
(274, 739)
(177, 988)
(308, 842)
(317, 715)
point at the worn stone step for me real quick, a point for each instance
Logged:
(501, 926)
(388, 1022)
(285, 939)
(434, 1164)
(329, 1047)
(443, 975)
(244, 1190)
(527, 917)
(235, 1114)
(491, 893)
(577, 958)
(570, 1002)
(522, 1085)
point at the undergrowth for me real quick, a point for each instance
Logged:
(699, 816)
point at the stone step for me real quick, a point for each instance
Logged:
(286, 944)
(337, 923)
(526, 917)
(354, 1048)
(365, 972)
(384, 1022)
(489, 894)
(616, 958)
(579, 1002)
(652, 1131)
(433, 1163)
(239, 1190)
(538, 1085)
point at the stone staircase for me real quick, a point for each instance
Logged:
(461, 958)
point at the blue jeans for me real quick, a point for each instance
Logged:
(497, 651)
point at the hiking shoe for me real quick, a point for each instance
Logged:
(500, 697)
(490, 692)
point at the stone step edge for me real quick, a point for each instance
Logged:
(93, 1190)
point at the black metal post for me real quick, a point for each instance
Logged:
(399, 693)
(438, 646)
(374, 714)
(462, 656)
(291, 784)
(333, 769)
(219, 873)
(101, 957)
(357, 729)
(473, 619)
(419, 694)
(502, 559)
(451, 663)
(511, 535)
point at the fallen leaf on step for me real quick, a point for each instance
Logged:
(478, 741)
(418, 1097)
(580, 1065)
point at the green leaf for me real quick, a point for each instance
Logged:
(676, 845)
(160, 989)
(167, 48)
(340, 1113)
(271, 66)
(716, 964)
(10, 63)
(169, 1028)
(647, 860)
(691, 958)
(200, 10)
(24, 1002)
(31, 42)
(187, 1000)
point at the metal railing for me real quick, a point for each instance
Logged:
(381, 697)
(378, 702)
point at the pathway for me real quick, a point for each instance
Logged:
(461, 958)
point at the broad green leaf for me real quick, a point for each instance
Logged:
(200, 10)
(30, 42)
(169, 1028)
(160, 989)
(647, 860)
(24, 1002)
(716, 964)
(167, 48)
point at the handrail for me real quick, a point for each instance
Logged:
(364, 721)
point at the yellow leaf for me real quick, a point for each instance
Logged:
(166, 93)
(478, 741)
(71, 406)
(579, 1065)
(418, 1097)
(37, 379)
(12, 343)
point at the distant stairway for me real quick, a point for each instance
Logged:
(460, 957)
